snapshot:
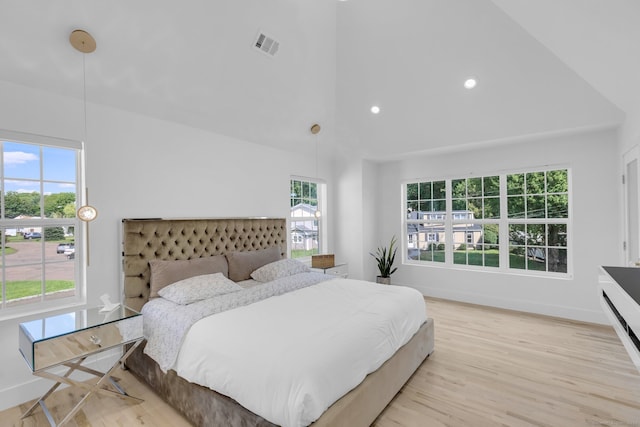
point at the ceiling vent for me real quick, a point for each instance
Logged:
(266, 44)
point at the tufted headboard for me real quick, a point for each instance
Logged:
(181, 239)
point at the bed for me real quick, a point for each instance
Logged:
(153, 242)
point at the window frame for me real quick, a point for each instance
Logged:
(503, 223)
(79, 276)
(321, 235)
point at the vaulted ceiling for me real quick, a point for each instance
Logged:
(542, 67)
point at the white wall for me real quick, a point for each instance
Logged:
(593, 159)
(142, 167)
(348, 210)
(630, 132)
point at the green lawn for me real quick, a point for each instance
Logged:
(28, 288)
(300, 253)
(491, 259)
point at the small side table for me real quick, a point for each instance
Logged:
(338, 270)
(68, 339)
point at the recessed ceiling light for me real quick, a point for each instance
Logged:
(375, 109)
(470, 83)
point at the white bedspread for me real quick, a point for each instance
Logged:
(289, 357)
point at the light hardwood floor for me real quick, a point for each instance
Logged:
(491, 367)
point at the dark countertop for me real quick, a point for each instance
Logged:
(628, 278)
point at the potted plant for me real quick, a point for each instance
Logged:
(385, 257)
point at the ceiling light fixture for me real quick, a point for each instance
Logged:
(84, 43)
(315, 130)
(375, 109)
(470, 83)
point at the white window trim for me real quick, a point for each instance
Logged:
(322, 221)
(503, 223)
(79, 299)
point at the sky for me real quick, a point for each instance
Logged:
(23, 169)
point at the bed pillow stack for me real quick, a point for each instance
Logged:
(164, 273)
(242, 264)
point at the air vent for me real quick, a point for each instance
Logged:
(266, 44)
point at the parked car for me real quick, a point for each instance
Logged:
(62, 247)
(34, 235)
(70, 253)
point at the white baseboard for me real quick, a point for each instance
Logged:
(572, 313)
(37, 386)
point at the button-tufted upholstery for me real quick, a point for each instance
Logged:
(179, 239)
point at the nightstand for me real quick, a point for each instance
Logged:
(338, 270)
(68, 339)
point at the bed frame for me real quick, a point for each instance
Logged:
(179, 239)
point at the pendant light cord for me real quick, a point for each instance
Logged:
(84, 95)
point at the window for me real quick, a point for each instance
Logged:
(538, 216)
(516, 221)
(39, 184)
(426, 206)
(476, 211)
(307, 216)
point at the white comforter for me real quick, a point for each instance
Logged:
(289, 357)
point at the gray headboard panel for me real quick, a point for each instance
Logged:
(179, 239)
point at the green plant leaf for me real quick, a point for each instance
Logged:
(385, 257)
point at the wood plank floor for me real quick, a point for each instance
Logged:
(491, 367)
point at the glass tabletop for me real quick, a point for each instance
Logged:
(66, 323)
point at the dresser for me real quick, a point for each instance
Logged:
(68, 339)
(619, 295)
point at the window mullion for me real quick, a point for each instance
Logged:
(503, 226)
(448, 225)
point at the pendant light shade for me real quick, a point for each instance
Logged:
(87, 213)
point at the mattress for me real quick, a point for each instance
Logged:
(289, 357)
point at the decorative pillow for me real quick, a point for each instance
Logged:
(242, 264)
(197, 288)
(275, 270)
(164, 273)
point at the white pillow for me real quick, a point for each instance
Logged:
(277, 269)
(197, 288)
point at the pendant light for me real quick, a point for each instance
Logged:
(83, 42)
(315, 130)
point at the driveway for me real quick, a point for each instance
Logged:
(26, 262)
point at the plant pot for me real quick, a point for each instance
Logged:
(383, 280)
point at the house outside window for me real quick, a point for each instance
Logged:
(425, 220)
(307, 217)
(511, 221)
(40, 181)
(476, 206)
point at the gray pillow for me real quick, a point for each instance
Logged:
(164, 273)
(242, 264)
